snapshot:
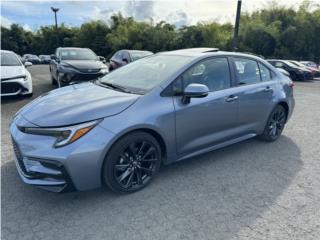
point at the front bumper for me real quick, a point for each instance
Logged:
(76, 76)
(76, 166)
(49, 175)
(16, 87)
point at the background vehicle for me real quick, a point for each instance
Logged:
(296, 72)
(15, 78)
(72, 65)
(123, 57)
(310, 64)
(31, 58)
(315, 72)
(163, 108)
(45, 59)
(284, 72)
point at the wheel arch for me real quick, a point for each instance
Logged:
(286, 107)
(153, 132)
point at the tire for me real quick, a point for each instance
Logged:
(294, 76)
(28, 95)
(275, 124)
(132, 162)
(53, 81)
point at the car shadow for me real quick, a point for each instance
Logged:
(214, 195)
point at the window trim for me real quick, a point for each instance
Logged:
(252, 59)
(168, 91)
(271, 73)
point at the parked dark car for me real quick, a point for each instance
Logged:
(124, 57)
(72, 65)
(296, 73)
(34, 59)
(45, 59)
(315, 72)
(310, 64)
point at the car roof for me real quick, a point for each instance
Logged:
(136, 50)
(207, 52)
(6, 51)
(191, 51)
(71, 48)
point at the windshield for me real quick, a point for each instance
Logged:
(298, 64)
(290, 64)
(137, 55)
(77, 54)
(146, 73)
(9, 59)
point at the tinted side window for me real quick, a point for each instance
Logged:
(214, 73)
(279, 64)
(125, 55)
(265, 73)
(247, 70)
(117, 55)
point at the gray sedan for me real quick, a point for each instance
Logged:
(118, 130)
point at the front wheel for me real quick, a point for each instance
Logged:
(275, 124)
(132, 163)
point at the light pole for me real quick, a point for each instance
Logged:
(236, 27)
(55, 10)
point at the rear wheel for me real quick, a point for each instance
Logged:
(275, 124)
(132, 162)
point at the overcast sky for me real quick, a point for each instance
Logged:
(33, 14)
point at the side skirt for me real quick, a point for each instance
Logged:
(217, 146)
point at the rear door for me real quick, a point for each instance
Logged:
(257, 87)
(210, 120)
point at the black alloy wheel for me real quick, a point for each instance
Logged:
(132, 162)
(275, 124)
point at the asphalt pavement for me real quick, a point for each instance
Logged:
(250, 190)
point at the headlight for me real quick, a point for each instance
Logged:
(64, 135)
(65, 68)
(104, 70)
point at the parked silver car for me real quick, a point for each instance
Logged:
(117, 130)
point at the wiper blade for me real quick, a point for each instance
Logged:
(114, 86)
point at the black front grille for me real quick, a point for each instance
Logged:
(19, 157)
(85, 77)
(90, 70)
(10, 87)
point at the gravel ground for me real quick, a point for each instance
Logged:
(251, 190)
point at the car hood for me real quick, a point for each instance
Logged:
(12, 71)
(76, 104)
(83, 64)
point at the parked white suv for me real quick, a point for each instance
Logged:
(15, 78)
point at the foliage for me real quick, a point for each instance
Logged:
(272, 32)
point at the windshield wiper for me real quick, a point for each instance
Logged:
(114, 86)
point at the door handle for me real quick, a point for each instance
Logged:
(231, 98)
(267, 89)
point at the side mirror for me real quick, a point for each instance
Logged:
(53, 57)
(194, 90)
(27, 64)
(102, 59)
(125, 60)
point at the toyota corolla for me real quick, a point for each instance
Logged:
(119, 129)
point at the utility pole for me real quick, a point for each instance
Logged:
(236, 27)
(55, 10)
